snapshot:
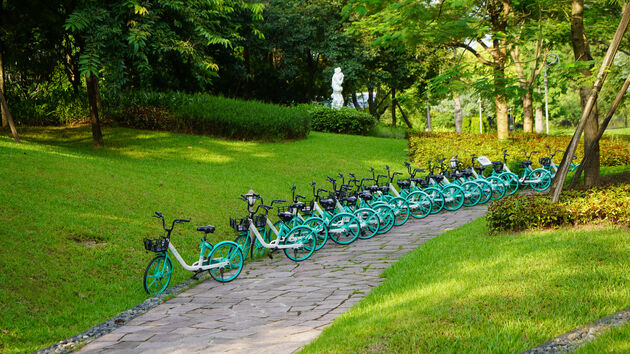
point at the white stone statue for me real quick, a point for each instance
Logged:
(337, 97)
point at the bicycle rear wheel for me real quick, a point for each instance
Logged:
(369, 222)
(401, 210)
(386, 217)
(304, 235)
(245, 243)
(321, 231)
(157, 276)
(486, 190)
(226, 251)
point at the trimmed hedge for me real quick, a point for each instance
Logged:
(517, 213)
(343, 121)
(614, 150)
(216, 116)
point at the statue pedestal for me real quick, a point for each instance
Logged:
(337, 100)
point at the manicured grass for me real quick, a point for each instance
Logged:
(617, 340)
(467, 292)
(72, 218)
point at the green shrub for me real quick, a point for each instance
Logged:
(344, 121)
(605, 203)
(470, 124)
(387, 131)
(519, 212)
(49, 108)
(205, 114)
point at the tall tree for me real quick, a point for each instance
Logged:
(582, 53)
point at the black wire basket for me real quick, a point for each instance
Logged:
(260, 220)
(240, 225)
(404, 184)
(498, 166)
(157, 245)
(309, 206)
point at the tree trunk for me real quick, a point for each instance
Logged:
(404, 116)
(528, 111)
(457, 112)
(539, 123)
(5, 120)
(429, 126)
(393, 106)
(582, 52)
(591, 149)
(248, 87)
(563, 169)
(371, 103)
(5, 108)
(355, 101)
(94, 99)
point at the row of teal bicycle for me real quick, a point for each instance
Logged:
(352, 208)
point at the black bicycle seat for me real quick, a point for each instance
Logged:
(207, 229)
(480, 168)
(328, 204)
(285, 215)
(365, 195)
(526, 163)
(404, 184)
(467, 173)
(298, 205)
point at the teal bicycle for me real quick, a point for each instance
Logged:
(224, 261)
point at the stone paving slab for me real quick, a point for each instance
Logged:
(275, 305)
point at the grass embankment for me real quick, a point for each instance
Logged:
(468, 292)
(72, 218)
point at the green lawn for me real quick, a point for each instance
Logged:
(72, 218)
(617, 340)
(467, 292)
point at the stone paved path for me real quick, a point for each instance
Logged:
(275, 305)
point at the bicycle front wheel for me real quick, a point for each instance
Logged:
(369, 222)
(453, 197)
(541, 179)
(419, 204)
(157, 276)
(303, 235)
(486, 190)
(498, 187)
(258, 250)
(472, 193)
(511, 182)
(437, 199)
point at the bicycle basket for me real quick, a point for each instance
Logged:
(240, 225)
(260, 220)
(498, 166)
(545, 161)
(156, 245)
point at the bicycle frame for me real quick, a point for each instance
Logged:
(198, 266)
